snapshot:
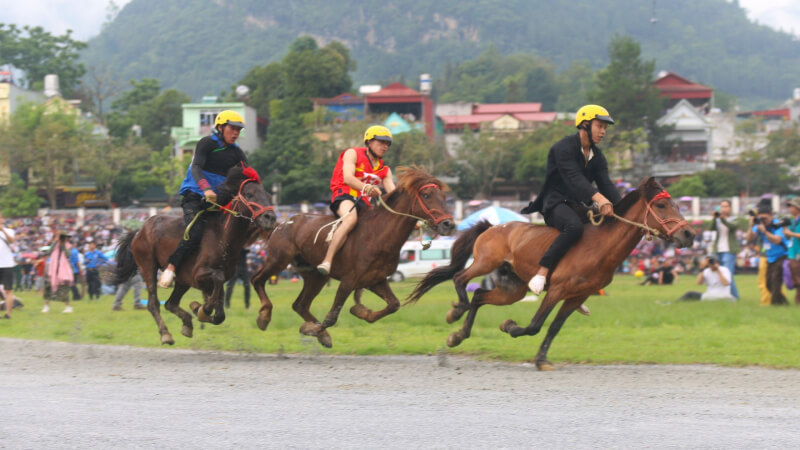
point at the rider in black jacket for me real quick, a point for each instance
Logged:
(573, 165)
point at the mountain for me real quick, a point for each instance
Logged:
(203, 47)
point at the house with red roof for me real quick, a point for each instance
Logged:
(411, 105)
(675, 88)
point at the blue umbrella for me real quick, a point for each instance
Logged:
(494, 214)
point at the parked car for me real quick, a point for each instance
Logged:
(416, 262)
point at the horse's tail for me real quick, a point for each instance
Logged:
(126, 265)
(459, 254)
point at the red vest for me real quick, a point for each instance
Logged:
(364, 172)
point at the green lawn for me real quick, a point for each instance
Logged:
(632, 324)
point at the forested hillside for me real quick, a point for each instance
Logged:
(203, 46)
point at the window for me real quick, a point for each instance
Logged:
(434, 253)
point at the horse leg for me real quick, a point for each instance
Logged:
(498, 296)
(173, 306)
(383, 290)
(548, 303)
(211, 282)
(312, 284)
(566, 309)
(477, 268)
(272, 266)
(154, 306)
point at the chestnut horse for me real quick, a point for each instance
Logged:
(207, 268)
(369, 255)
(513, 250)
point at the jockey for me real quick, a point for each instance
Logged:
(213, 156)
(358, 175)
(573, 164)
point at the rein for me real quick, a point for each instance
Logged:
(255, 209)
(649, 231)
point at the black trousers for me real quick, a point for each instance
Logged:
(566, 220)
(93, 280)
(192, 203)
(242, 273)
(775, 281)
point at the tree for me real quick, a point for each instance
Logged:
(625, 88)
(721, 182)
(38, 53)
(104, 159)
(46, 138)
(17, 200)
(483, 159)
(692, 186)
(531, 164)
(101, 85)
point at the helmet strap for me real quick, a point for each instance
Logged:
(369, 150)
(588, 128)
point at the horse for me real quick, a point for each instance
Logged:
(512, 250)
(366, 259)
(250, 210)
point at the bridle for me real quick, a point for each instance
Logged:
(649, 231)
(256, 210)
(432, 213)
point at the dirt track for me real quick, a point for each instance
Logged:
(66, 395)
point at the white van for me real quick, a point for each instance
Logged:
(416, 262)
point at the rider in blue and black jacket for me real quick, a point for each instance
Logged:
(213, 156)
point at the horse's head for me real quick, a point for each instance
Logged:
(430, 202)
(662, 213)
(248, 197)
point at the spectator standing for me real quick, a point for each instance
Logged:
(75, 263)
(775, 249)
(136, 282)
(94, 260)
(726, 245)
(60, 274)
(7, 265)
(793, 232)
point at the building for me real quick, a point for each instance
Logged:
(454, 118)
(412, 106)
(198, 121)
(343, 107)
(675, 88)
(692, 130)
(11, 96)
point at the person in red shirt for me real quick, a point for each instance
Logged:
(357, 177)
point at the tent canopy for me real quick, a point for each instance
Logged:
(494, 214)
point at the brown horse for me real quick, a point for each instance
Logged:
(206, 269)
(514, 249)
(369, 255)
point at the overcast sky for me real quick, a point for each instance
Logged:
(85, 17)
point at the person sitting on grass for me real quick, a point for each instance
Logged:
(717, 278)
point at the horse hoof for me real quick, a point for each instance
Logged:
(262, 323)
(186, 331)
(360, 311)
(325, 339)
(454, 314)
(310, 329)
(167, 339)
(194, 306)
(454, 339)
(506, 326)
(545, 366)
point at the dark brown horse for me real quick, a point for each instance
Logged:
(369, 255)
(514, 249)
(206, 269)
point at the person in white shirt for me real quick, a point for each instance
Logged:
(7, 265)
(717, 278)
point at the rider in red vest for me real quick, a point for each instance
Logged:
(358, 175)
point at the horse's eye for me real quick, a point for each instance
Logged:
(660, 205)
(426, 196)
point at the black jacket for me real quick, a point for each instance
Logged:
(569, 178)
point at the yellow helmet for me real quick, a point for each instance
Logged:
(229, 117)
(378, 132)
(591, 112)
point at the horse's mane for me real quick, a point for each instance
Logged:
(229, 189)
(410, 179)
(649, 187)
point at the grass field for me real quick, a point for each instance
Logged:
(632, 324)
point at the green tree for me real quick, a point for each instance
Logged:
(531, 164)
(625, 88)
(38, 53)
(153, 111)
(46, 138)
(692, 186)
(17, 200)
(104, 159)
(483, 159)
(721, 182)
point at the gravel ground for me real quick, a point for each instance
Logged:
(89, 396)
